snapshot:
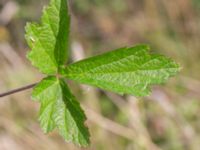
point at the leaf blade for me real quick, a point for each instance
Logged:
(125, 71)
(49, 40)
(45, 93)
(60, 109)
(72, 121)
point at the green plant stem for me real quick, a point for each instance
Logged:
(18, 90)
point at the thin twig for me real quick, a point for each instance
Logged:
(18, 90)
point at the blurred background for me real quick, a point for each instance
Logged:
(168, 119)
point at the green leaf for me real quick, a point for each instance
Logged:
(60, 109)
(125, 71)
(49, 40)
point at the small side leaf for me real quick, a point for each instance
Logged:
(60, 109)
(49, 40)
(125, 71)
(46, 93)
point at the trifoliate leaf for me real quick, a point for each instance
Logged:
(60, 109)
(49, 40)
(126, 70)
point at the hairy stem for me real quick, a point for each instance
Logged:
(17, 90)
